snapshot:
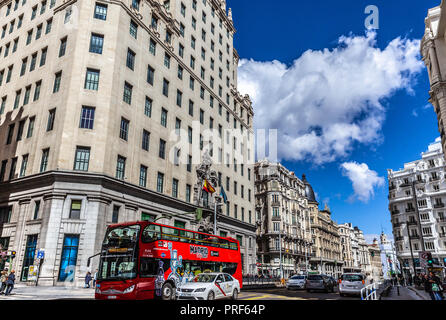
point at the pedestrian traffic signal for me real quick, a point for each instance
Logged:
(430, 261)
(13, 253)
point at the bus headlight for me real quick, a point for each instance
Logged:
(98, 291)
(200, 290)
(129, 289)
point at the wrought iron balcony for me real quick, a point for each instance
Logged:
(410, 209)
(276, 218)
(395, 211)
(441, 219)
(412, 223)
(414, 236)
(438, 205)
(399, 238)
(443, 235)
(434, 179)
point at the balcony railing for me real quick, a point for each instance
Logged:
(420, 181)
(441, 219)
(404, 185)
(412, 223)
(443, 235)
(399, 238)
(395, 211)
(434, 179)
(276, 218)
(414, 236)
(410, 209)
(438, 205)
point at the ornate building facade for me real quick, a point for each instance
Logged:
(417, 197)
(106, 108)
(283, 230)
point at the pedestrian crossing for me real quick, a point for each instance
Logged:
(261, 296)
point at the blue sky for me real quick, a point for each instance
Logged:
(283, 30)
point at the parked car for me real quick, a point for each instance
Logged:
(351, 283)
(319, 282)
(297, 281)
(209, 286)
(334, 281)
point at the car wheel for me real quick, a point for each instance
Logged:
(167, 292)
(235, 294)
(211, 295)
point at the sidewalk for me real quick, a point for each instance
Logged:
(405, 293)
(24, 292)
(421, 292)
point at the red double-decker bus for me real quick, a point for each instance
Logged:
(145, 260)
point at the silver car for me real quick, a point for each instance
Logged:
(319, 282)
(297, 281)
(351, 283)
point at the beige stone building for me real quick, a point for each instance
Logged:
(376, 266)
(433, 51)
(283, 230)
(326, 251)
(105, 110)
(345, 235)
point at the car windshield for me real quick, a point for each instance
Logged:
(314, 277)
(352, 277)
(297, 277)
(205, 278)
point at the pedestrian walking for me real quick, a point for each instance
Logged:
(428, 286)
(95, 277)
(3, 278)
(87, 280)
(10, 283)
(436, 286)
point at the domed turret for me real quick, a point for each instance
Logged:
(309, 193)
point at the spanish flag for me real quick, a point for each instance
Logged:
(208, 188)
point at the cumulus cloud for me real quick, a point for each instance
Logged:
(328, 100)
(363, 180)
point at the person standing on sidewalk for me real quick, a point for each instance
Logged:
(428, 286)
(10, 283)
(87, 279)
(3, 278)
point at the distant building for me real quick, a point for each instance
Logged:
(390, 264)
(417, 198)
(376, 267)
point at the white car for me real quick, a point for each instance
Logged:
(297, 281)
(351, 283)
(209, 286)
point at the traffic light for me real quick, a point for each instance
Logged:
(430, 261)
(13, 253)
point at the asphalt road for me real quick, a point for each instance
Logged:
(283, 293)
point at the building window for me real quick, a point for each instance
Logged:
(164, 117)
(130, 59)
(75, 209)
(120, 168)
(12, 170)
(127, 97)
(160, 182)
(37, 90)
(57, 79)
(148, 107)
(167, 60)
(87, 118)
(162, 149)
(133, 29)
(36, 209)
(150, 75)
(165, 87)
(96, 43)
(145, 140)
(24, 165)
(49, 24)
(69, 257)
(43, 57)
(92, 79)
(124, 129)
(63, 46)
(175, 188)
(179, 98)
(32, 120)
(100, 11)
(82, 158)
(115, 214)
(143, 176)
(30, 250)
(51, 119)
(152, 47)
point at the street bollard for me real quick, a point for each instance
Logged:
(398, 289)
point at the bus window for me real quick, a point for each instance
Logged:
(229, 268)
(233, 246)
(195, 267)
(209, 266)
(150, 267)
(151, 233)
(122, 237)
(170, 234)
(213, 241)
(186, 236)
(200, 239)
(224, 243)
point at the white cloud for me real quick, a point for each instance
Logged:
(328, 100)
(363, 179)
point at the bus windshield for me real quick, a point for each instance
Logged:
(119, 253)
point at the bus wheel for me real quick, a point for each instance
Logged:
(211, 295)
(167, 292)
(235, 294)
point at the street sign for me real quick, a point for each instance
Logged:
(41, 254)
(423, 259)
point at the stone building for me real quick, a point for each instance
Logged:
(376, 270)
(345, 234)
(433, 51)
(105, 110)
(417, 197)
(282, 220)
(326, 250)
